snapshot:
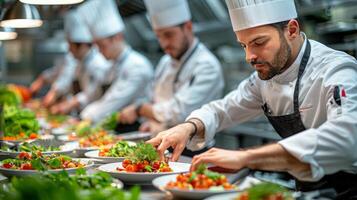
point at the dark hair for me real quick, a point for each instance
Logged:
(281, 25)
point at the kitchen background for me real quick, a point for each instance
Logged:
(333, 22)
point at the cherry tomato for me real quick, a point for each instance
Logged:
(7, 165)
(24, 156)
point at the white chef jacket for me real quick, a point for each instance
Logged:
(133, 74)
(199, 82)
(63, 80)
(51, 73)
(329, 142)
(90, 72)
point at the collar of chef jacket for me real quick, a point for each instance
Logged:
(290, 74)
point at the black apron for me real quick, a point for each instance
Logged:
(286, 125)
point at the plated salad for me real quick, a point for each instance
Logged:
(27, 147)
(266, 191)
(81, 186)
(120, 149)
(201, 179)
(144, 158)
(37, 161)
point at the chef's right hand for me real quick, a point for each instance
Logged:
(176, 137)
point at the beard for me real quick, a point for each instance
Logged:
(278, 65)
(181, 50)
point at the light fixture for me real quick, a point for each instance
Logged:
(7, 33)
(51, 2)
(21, 15)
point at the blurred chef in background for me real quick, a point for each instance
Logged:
(83, 80)
(129, 79)
(50, 75)
(187, 77)
(307, 91)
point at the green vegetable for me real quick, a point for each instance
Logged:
(142, 152)
(62, 186)
(202, 169)
(109, 123)
(19, 120)
(262, 190)
(120, 149)
(8, 97)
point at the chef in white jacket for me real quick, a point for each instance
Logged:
(130, 77)
(49, 76)
(187, 77)
(83, 79)
(307, 91)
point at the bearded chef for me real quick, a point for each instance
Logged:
(187, 76)
(307, 90)
(129, 79)
(82, 80)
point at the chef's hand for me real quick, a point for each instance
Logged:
(128, 115)
(49, 99)
(37, 85)
(176, 137)
(228, 159)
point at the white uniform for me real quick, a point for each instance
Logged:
(199, 81)
(132, 77)
(329, 143)
(50, 74)
(90, 73)
(63, 81)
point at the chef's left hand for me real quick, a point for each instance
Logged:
(222, 158)
(128, 115)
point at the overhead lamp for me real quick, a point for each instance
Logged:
(21, 15)
(7, 33)
(51, 2)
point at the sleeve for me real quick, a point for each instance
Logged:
(64, 80)
(331, 147)
(121, 93)
(239, 106)
(206, 84)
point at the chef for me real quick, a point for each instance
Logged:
(187, 76)
(48, 76)
(130, 77)
(84, 79)
(307, 91)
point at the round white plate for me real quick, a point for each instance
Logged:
(16, 172)
(229, 196)
(162, 181)
(141, 177)
(60, 131)
(95, 155)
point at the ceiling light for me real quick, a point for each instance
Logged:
(21, 15)
(51, 2)
(7, 33)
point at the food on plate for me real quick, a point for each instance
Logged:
(97, 139)
(144, 158)
(120, 149)
(62, 186)
(19, 124)
(201, 179)
(28, 147)
(266, 191)
(109, 123)
(56, 121)
(37, 161)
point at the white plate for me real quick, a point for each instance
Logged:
(229, 196)
(60, 131)
(141, 177)
(17, 172)
(95, 155)
(65, 138)
(162, 181)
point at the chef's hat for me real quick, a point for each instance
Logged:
(103, 18)
(167, 13)
(75, 28)
(246, 14)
